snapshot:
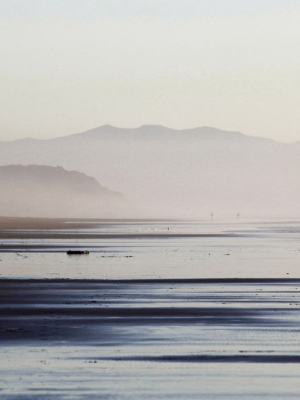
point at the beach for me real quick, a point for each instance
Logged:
(200, 310)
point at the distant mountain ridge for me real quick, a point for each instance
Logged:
(39, 191)
(154, 130)
(150, 129)
(177, 173)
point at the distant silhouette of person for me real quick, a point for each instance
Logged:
(212, 216)
(238, 215)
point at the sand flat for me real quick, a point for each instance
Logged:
(79, 339)
(208, 316)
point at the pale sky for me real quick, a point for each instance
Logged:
(72, 65)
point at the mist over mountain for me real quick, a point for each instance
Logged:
(177, 173)
(42, 191)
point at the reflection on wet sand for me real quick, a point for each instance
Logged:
(207, 311)
(129, 327)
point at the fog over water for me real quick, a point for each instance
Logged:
(166, 173)
(159, 69)
(149, 199)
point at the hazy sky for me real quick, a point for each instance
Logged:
(70, 65)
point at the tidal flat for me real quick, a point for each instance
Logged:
(157, 310)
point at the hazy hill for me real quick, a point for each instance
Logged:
(187, 173)
(42, 191)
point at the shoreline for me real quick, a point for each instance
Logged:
(157, 281)
(70, 223)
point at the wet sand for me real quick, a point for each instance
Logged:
(85, 338)
(46, 229)
(211, 313)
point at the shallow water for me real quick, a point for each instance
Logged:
(213, 316)
(187, 250)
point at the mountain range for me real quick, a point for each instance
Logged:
(177, 173)
(42, 191)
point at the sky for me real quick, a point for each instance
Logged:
(71, 65)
